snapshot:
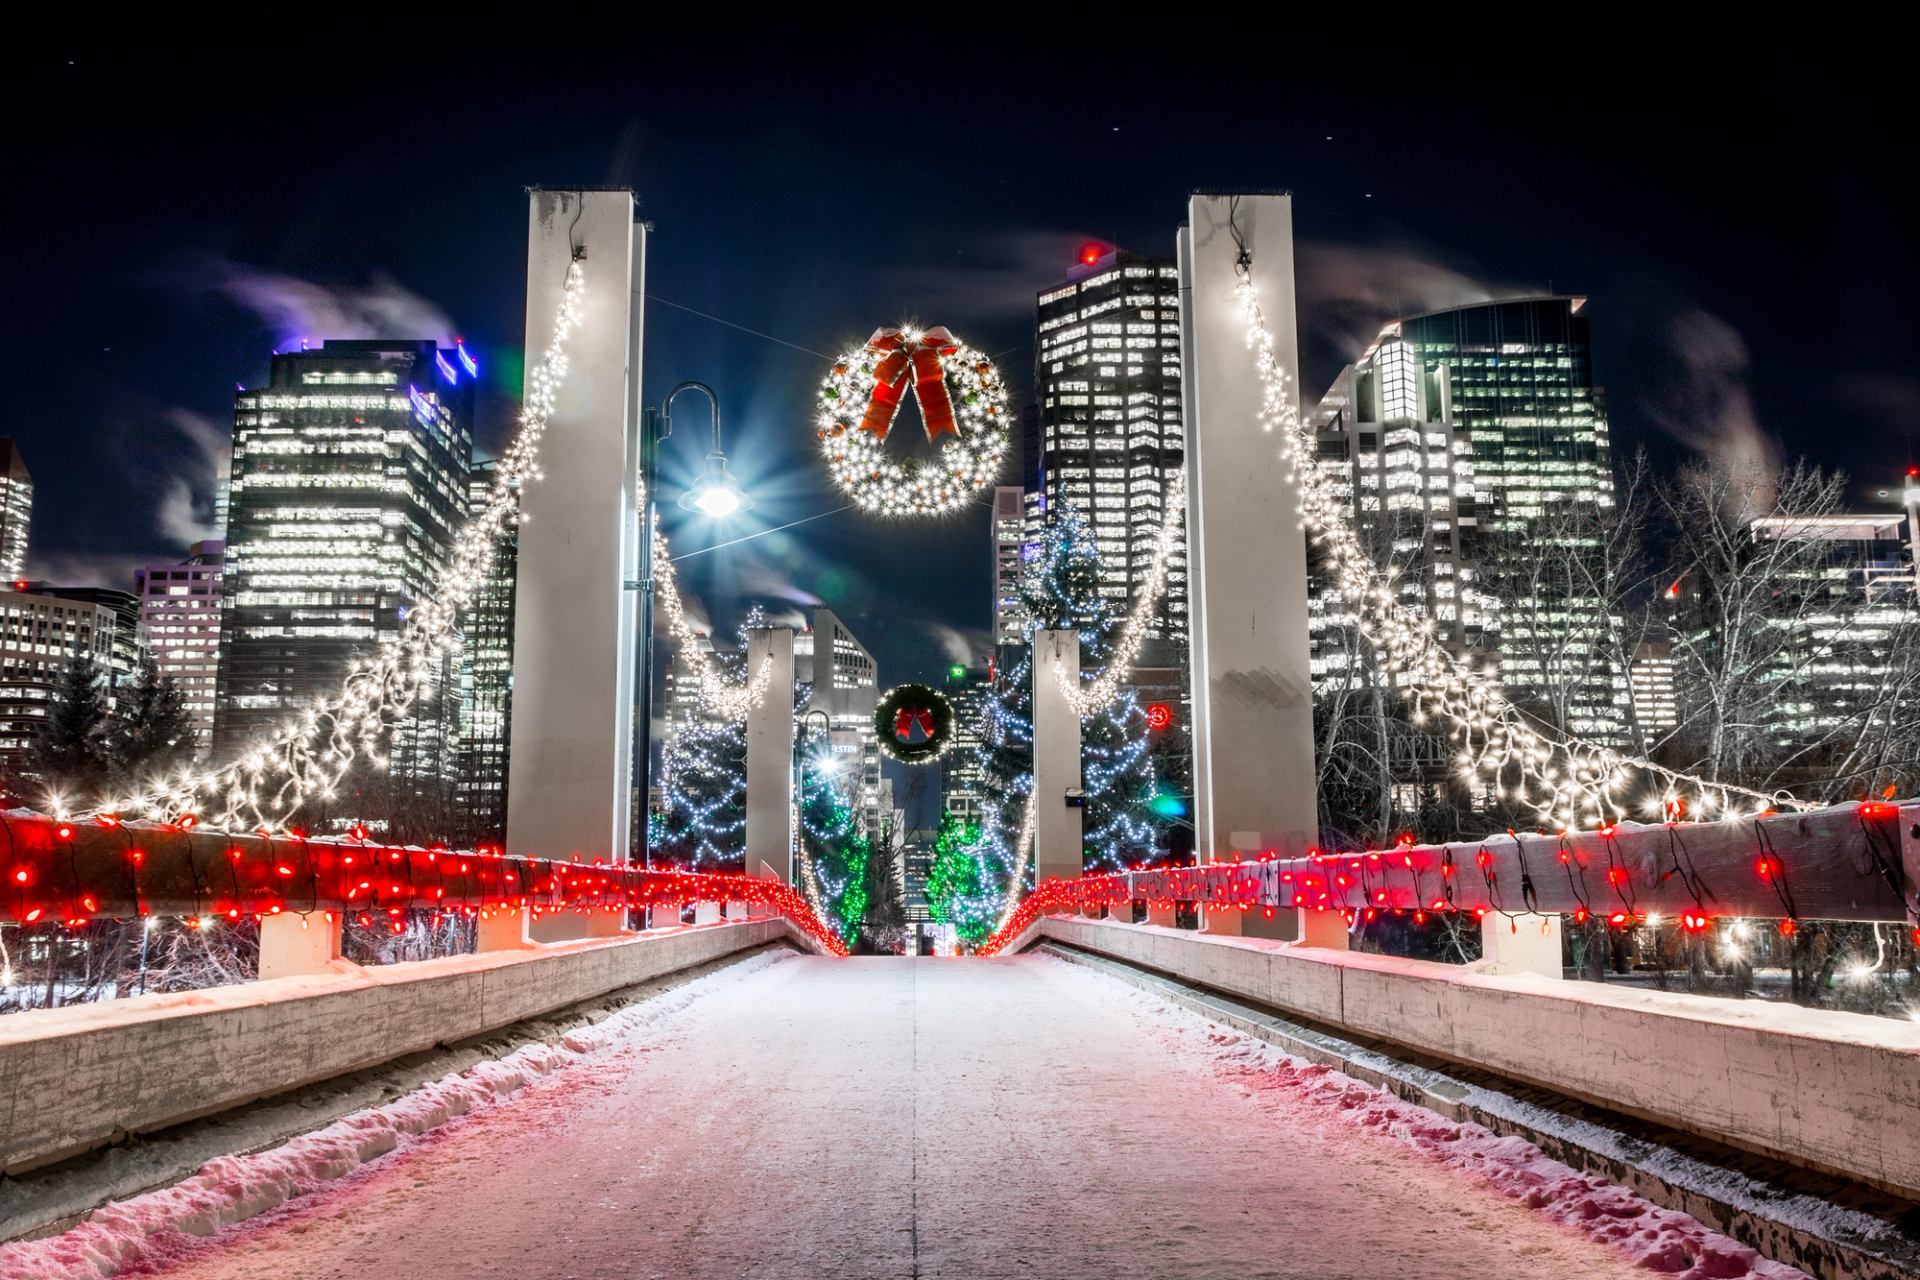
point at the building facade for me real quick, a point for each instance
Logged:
(1387, 441)
(1518, 379)
(846, 685)
(16, 511)
(348, 485)
(180, 623)
(1111, 434)
(40, 634)
(486, 682)
(962, 780)
(1009, 537)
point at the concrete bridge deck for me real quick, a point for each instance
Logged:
(796, 1116)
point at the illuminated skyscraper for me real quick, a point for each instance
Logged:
(486, 683)
(1107, 373)
(1009, 535)
(16, 511)
(180, 619)
(348, 486)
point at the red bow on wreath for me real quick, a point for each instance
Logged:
(907, 717)
(897, 354)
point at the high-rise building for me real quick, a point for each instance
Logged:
(348, 486)
(180, 620)
(1009, 536)
(1651, 673)
(40, 633)
(128, 647)
(1857, 587)
(1485, 423)
(846, 685)
(486, 681)
(962, 783)
(1388, 443)
(16, 511)
(1111, 437)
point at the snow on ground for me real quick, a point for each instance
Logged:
(894, 1118)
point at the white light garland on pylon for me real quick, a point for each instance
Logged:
(717, 693)
(308, 757)
(1095, 695)
(1023, 858)
(1568, 783)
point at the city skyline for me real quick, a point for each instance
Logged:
(1697, 336)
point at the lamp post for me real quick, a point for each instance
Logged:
(715, 494)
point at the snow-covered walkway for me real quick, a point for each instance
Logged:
(963, 1119)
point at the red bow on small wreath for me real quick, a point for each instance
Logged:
(907, 717)
(897, 354)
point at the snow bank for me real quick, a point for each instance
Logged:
(1662, 1241)
(232, 1189)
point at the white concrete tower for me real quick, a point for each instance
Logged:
(570, 787)
(1254, 785)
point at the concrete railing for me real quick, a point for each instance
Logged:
(1837, 1092)
(75, 1078)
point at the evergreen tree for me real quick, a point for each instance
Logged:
(70, 756)
(958, 892)
(837, 852)
(151, 731)
(704, 777)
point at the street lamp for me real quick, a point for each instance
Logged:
(716, 493)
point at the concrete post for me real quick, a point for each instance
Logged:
(706, 913)
(1057, 849)
(570, 793)
(1521, 944)
(664, 916)
(1252, 694)
(770, 754)
(1326, 929)
(292, 944)
(504, 929)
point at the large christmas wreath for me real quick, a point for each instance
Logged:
(961, 398)
(914, 723)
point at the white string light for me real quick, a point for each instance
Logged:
(1097, 694)
(717, 693)
(1568, 783)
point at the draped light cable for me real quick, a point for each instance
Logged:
(1569, 783)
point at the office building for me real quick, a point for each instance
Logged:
(1849, 597)
(486, 682)
(348, 486)
(1110, 434)
(16, 511)
(40, 633)
(846, 686)
(1387, 442)
(1655, 704)
(180, 622)
(1009, 537)
(128, 646)
(962, 780)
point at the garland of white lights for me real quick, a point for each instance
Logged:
(717, 693)
(1569, 783)
(1023, 858)
(308, 757)
(1097, 694)
(967, 463)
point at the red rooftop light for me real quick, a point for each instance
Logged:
(1090, 253)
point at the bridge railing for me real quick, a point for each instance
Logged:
(1858, 862)
(70, 873)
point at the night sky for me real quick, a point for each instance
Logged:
(1742, 222)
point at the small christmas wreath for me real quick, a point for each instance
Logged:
(914, 723)
(961, 397)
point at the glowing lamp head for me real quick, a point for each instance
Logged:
(1091, 253)
(716, 494)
